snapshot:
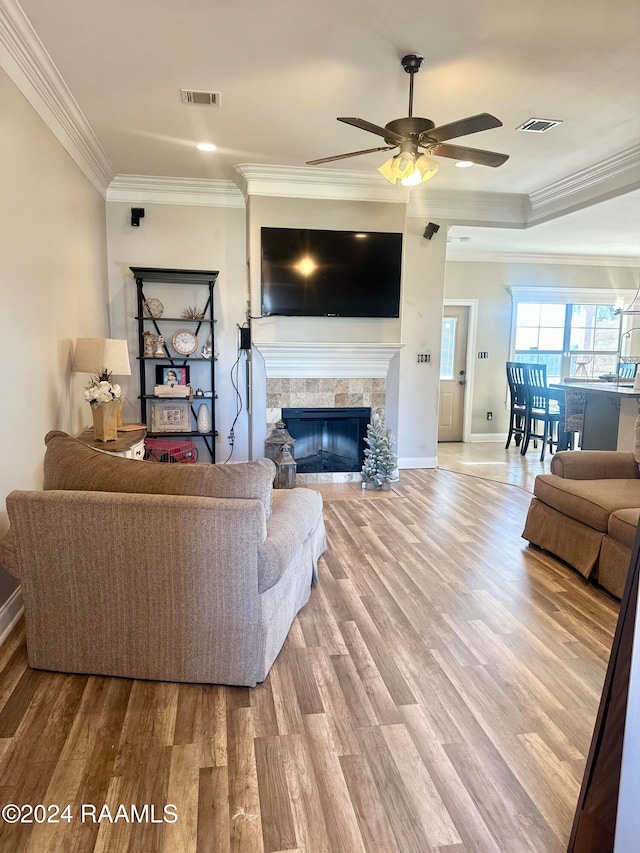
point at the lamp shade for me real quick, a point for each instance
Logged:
(101, 355)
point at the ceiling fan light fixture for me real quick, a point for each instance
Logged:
(389, 169)
(424, 169)
(463, 164)
(406, 161)
(405, 169)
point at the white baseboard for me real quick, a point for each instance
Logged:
(418, 462)
(10, 612)
(489, 436)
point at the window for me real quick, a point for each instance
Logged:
(447, 350)
(582, 341)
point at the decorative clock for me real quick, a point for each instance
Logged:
(184, 342)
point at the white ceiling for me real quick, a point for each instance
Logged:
(287, 68)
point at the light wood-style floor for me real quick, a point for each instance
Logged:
(491, 461)
(437, 693)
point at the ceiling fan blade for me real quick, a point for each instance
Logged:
(374, 128)
(472, 124)
(351, 154)
(475, 155)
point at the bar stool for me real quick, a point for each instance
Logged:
(543, 408)
(518, 402)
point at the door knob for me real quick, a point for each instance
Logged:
(462, 382)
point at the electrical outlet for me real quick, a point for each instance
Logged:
(489, 416)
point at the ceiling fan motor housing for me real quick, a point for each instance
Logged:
(412, 62)
(409, 128)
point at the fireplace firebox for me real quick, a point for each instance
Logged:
(328, 440)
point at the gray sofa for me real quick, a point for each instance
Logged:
(171, 572)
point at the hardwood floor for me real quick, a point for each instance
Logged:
(491, 461)
(437, 693)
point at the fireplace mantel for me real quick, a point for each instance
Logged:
(326, 360)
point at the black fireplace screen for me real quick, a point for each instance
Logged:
(328, 440)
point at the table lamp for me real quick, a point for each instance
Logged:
(102, 357)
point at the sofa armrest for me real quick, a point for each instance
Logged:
(294, 516)
(8, 559)
(595, 465)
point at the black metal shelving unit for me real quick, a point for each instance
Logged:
(156, 276)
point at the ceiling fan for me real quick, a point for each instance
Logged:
(410, 166)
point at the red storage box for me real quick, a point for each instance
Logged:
(170, 450)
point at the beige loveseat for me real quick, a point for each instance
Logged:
(171, 572)
(586, 512)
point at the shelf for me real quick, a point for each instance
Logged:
(159, 397)
(176, 319)
(170, 276)
(203, 369)
(193, 433)
(173, 358)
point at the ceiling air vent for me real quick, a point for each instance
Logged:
(197, 97)
(538, 125)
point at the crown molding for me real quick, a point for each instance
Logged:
(540, 258)
(316, 182)
(500, 210)
(611, 177)
(26, 61)
(326, 360)
(196, 191)
(580, 295)
(506, 210)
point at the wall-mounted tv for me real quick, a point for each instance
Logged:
(315, 273)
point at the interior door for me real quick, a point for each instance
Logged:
(453, 361)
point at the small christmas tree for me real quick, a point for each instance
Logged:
(387, 462)
(380, 461)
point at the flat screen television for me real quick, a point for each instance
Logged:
(315, 273)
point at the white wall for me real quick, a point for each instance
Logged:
(488, 283)
(419, 383)
(184, 237)
(52, 290)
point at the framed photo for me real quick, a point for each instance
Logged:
(170, 416)
(167, 375)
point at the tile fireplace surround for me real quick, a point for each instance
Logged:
(325, 376)
(328, 393)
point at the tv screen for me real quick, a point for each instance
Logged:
(314, 273)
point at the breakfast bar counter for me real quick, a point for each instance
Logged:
(609, 415)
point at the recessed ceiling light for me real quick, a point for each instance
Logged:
(463, 164)
(206, 146)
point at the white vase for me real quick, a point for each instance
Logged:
(203, 419)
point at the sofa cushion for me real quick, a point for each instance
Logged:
(623, 525)
(69, 464)
(588, 501)
(296, 513)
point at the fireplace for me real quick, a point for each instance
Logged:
(328, 439)
(321, 376)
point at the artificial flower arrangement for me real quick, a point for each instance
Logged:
(102, 390)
